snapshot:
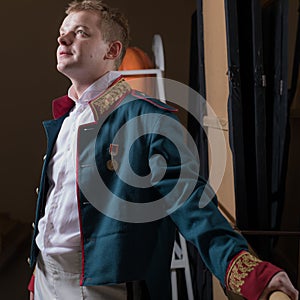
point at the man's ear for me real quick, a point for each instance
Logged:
(114, 50)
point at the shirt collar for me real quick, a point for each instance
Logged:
(95, 89)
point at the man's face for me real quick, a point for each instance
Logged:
(81, 54)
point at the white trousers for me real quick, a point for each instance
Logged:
(57, 278)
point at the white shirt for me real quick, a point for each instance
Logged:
(59, 230)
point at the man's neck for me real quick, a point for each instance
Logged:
(78, 90)
(89, 91)
(79, 86)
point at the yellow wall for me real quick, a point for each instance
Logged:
(217, 86)
(217, 94)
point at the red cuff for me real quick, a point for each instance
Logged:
(31, 284)
(248, 276)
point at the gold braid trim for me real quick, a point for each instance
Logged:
(102, 104)
(239, 270)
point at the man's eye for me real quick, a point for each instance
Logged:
(81, 32)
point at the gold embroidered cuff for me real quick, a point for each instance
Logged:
(241, 266)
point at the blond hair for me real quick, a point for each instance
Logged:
(113, 24)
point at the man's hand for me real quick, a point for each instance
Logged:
(31, 296)
(280, 282)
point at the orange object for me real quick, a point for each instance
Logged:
(136, 59)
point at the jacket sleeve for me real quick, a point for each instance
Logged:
(195, 213)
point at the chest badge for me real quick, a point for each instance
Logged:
(112, 164)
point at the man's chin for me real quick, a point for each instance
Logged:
(64, 69)
(60, 67)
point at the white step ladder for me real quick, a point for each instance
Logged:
(180, 260)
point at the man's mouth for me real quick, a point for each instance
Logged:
(63, 53)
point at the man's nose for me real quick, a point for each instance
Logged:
(65, 39)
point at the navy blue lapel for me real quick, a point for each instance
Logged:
(52, 128)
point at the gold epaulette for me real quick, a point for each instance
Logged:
(110, 97)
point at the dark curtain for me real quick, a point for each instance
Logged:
(296, 62)
(275, 20)
(235, 114)
(258, 113)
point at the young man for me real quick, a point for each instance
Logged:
(93, 237)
